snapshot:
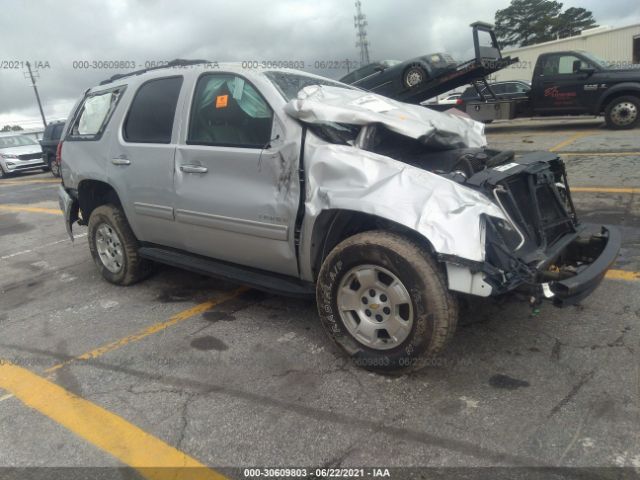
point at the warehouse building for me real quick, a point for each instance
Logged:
(619, 45)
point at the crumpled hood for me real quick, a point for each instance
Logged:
(322, 104)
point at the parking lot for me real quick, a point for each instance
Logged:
(187, 370)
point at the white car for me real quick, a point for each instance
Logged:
(19, 153)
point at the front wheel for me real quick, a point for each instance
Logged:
(414, 75)
(623, 112)
(114, 247)
(384, 301)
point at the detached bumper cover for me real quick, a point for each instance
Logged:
(603, 249)
(69, 207)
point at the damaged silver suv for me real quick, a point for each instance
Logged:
(297, 184)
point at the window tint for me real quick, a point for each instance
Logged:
(510, 88)
(94, 114)
(150, 117)
(228, 110)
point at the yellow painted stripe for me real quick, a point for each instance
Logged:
(22, 208)
(623, 275)
(158, 327)
(600, 154)
(569, 141)
(153, 458)
(27, 182)
(605, 190)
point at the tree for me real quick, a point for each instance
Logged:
(11, 128)
(527, 22)
(572, 21)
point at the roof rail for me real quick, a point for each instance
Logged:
(178, 62)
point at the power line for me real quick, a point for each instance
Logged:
(360, 22)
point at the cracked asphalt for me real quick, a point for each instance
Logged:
(254, 381)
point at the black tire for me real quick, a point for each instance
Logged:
(623, 113)
(54, 168)
(414, 75)
(2, 174)
(132, 267)
(434, 308)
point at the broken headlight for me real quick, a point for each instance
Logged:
(503, 232)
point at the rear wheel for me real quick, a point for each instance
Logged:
(414, 75)
(54, 167)
(114, 247)
(623, 112)
(384, 301)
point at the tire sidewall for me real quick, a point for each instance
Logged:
(54, 168)
(331, 276)
(405, 77)
(98, 217)
(613, 103)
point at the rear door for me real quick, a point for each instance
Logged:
(236, 178)
(142, 157)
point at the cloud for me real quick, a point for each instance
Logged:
(145, 31)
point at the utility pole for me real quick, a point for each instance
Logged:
(35, 89)
(360, 22)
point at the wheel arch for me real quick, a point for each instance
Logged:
(94, 193)
(335, 225)
(620, 90)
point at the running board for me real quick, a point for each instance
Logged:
(259, 279)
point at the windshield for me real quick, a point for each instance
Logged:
(16, 141)
(289, 84)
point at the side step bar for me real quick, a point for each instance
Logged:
(259, 279)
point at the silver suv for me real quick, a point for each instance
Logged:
(387, 212)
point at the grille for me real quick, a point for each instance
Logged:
(535, 205)
(30, 156)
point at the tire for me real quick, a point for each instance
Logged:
(114, 247)
(430, 315)
(2, 174)
(623, 112)
(414, 75)
(54, 167)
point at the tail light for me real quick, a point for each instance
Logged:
(59, 153)
(459, 101)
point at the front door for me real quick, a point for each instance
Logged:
(236, 178)
(563, 85)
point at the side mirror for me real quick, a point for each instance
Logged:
(588, 70)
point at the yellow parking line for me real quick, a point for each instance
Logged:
(569, 141)
(22, 208)
(605, 190)
(600, 154)
(623, 275)
(27, 182)
(153, 458)
(158, 327)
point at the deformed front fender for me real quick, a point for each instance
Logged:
(447, 214)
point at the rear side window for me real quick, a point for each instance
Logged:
(150, 117)
(94, 114)
(57, 131)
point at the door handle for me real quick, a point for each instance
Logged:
(120, 161)
(193, 169)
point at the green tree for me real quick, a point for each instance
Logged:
(11, 128)
(572, 21)
(16, 128)
(527, 22)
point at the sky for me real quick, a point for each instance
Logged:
(59, 38)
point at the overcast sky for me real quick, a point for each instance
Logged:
(304, 30)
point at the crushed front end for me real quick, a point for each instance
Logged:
(542, 249)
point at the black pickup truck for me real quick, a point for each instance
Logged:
(568, 83)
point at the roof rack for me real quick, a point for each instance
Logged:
(178, 62)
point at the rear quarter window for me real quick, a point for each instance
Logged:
(94, 114)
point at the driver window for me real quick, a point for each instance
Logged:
(569, 64)
(228, 111)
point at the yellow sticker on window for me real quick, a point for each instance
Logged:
(221, 101)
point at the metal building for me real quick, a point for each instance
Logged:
(620, 45)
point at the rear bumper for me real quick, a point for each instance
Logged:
(69, 207)
(591, 254)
